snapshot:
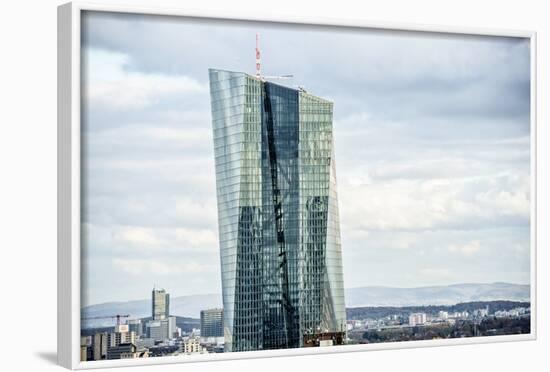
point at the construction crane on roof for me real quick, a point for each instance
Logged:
(117, 316)
(258, 65)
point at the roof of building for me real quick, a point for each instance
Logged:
(299, 89)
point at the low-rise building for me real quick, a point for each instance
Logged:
(192, 345)
(122, 351)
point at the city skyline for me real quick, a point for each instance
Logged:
(431, 136)
(135, 336)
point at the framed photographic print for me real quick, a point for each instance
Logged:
(235, 187)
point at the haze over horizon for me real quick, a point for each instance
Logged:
(145, 298)
(432, 141)
(98, 315)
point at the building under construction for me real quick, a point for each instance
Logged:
(278, 214)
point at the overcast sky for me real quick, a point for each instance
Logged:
(431, 139)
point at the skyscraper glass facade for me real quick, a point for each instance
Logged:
(212, 323)
(277, 213)
(160, 304)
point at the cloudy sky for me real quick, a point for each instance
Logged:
(431, 137)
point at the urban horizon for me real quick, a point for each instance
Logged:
(165, 333)
(219, 293)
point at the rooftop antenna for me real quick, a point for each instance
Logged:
(258, 74)
(258, 64)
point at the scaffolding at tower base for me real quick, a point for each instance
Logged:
(324, 339)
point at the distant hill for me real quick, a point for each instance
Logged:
(436, 295)
(190, 306)
(183, 306)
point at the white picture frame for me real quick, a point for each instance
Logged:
(69, 182)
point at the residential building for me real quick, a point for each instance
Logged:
(120, 342)
(116, 338)
(417, 319)
(192, 345)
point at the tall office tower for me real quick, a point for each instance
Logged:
(212, 323)
(160, 304)
(278, 220)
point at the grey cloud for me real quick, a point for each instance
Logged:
(411, 109)
(453, 74)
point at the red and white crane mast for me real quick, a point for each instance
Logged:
(258, 65)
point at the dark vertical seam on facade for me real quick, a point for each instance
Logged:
(277, 205)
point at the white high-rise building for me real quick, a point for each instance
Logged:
(417, 319)
(122, 335)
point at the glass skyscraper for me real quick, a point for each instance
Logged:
(278, 220)
(160, 301)
(212, 323)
